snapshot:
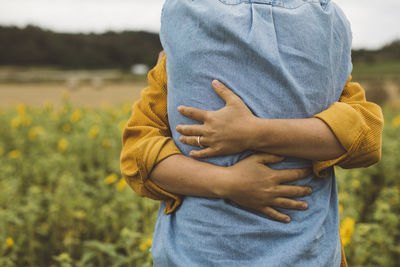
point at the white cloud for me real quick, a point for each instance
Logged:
(83, 15)
(374, 22)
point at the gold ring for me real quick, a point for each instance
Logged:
(198, 141)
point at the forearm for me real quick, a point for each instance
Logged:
(183, 175)
(304, 138)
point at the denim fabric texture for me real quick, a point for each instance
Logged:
(285, 59)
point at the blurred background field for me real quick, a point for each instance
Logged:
(111, 67)
(64, 99)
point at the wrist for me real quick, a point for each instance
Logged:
(260, 134)
(222, 183)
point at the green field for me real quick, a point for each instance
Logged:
(64, 203)
(379, 70)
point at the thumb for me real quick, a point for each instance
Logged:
(268, 158)
(224, 92)
(160, 56)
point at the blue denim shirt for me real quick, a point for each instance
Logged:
(285, 59)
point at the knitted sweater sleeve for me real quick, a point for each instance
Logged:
(147, 140)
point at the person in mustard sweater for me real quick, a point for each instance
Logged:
(282, 62)
(148, 145)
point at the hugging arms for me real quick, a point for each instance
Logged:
(154, 167)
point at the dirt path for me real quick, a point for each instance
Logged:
(38, 94)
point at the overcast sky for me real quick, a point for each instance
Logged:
(374, 22)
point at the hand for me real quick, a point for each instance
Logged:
(224, 132)
(160, 56)
(252, 184)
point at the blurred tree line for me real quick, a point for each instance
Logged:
(388, 53)
(33, 46)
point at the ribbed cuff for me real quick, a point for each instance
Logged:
(348, 129)
(166, 148)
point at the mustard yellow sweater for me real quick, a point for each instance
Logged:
(147, 138)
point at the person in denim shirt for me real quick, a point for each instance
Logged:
(285, 59)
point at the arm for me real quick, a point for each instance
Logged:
(359, 131)
(249, 183)
(348, 133)
(302, 138)
(234, 129)
(145, 145)
(146, 139)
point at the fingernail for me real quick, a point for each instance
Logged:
(287, 219)
(215, 82)
(305, 205)
(310, 190)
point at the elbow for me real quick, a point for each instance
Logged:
(364, 160)
(136, 185)
(374, 157)
(130, 172)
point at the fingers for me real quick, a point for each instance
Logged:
(160, 56)
(293, 191)
(193, 140)
(286, 203)
(193, 113)
(190, 130)
(204, 153)
(285, 176)
(266, 158)
(224, 92)
(275, 214)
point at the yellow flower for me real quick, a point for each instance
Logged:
(66, 127)
(93, 132)
(340, 208)
(80, 214)
(27, 120)
(346, 230)
(14, 154)
(396, 121)
(62, 145)
(76, 116)
(106, 143)
(121, 184)
(15, 122)
(34, 132)
(9, 242)
(116, 113)
(20, 120)
(146, 244)
(64, 257)
(121, 125)
(21, 109)
(110, 179)
(355, 184)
